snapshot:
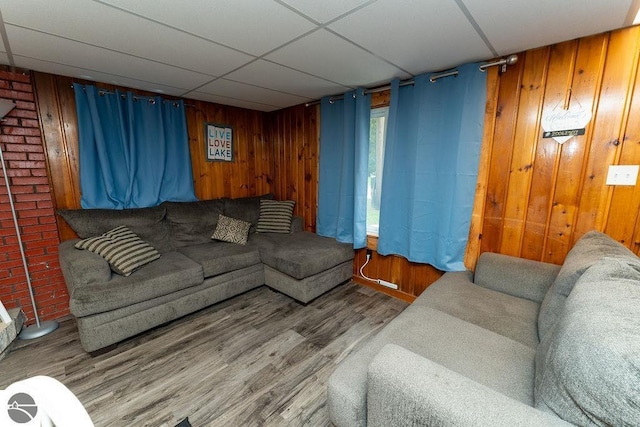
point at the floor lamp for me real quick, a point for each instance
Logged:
(40, 328)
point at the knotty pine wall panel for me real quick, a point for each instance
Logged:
(542, 196)
(295, 137)
(250, 172)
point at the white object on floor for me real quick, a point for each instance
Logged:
(51, 404)
(4, 314)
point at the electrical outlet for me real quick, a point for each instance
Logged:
(369, 252)
(387, 284)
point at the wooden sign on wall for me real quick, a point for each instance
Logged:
(219, 143)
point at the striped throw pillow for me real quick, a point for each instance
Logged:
(123, 249)
(275, 217)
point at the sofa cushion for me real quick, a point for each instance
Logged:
(124, 250)
(493, 360)
(588, 373)
(510, 316)
(246, 209)
(147, 223)
(586, 252)
(220, 257)
(231, 230)
(275, 216)
(523, 278)
(82, 267)
(175, 272)
(191, 223)
(301, 254)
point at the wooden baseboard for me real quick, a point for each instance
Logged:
(391, 292)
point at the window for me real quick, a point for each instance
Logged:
(377, 130)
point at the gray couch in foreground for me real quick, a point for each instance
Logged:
(520, 343)
(193, 271)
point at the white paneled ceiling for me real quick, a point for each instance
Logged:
(270, 54)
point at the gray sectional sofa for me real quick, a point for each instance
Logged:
(520, 343)
(193, 270)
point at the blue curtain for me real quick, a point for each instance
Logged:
(134, 151)
(431, 160)
(344, 154)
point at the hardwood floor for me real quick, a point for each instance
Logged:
(259, 359)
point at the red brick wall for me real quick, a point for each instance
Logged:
(21, 143)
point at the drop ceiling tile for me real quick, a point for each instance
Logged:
(242, 91)
(273, 76)
(252, 26)
(326, 55)
(133, 35)
(231, 101)
(32, 44)
(4, 59)
(81, 73)
(419, 36)
(325, 10)
(515, 26)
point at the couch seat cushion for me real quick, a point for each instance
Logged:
(588, 368)
(488, 358)
(592, 247)
(220, 257)
(513, 317)
(174, 272)
(301, 254)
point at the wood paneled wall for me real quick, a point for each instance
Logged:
(540, 196)
(295, 135)
(249, 174)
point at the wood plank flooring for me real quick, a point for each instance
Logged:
(259, 359)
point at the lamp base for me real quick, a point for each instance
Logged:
(33, 331)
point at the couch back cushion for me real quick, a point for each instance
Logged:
(586, 252)
(192, 223)
(245, 209)
(147, 223)
(588, 367)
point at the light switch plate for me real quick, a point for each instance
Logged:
(622, 174)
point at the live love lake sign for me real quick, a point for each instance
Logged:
(219, 143)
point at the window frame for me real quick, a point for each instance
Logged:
(377, 112)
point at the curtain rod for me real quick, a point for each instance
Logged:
(136, 97)
(509, 60)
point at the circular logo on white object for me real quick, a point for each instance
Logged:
(22, 408)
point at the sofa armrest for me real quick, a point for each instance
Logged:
(519, 277)
(404, 388)
(81, 267)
